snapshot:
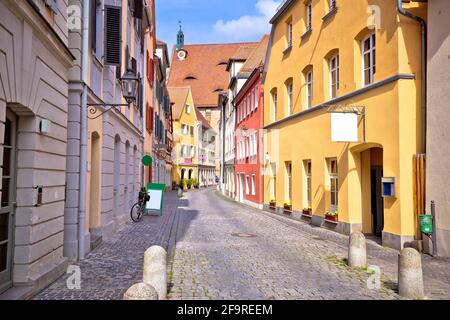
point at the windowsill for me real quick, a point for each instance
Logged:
(287, 50)
(330, 14)
(306, 34)
(97, 60)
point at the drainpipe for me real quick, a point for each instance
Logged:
(83, 133)
(423, 28)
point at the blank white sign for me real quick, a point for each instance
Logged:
(344, 127)
(155, 200)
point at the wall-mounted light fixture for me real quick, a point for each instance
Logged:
(129, 84)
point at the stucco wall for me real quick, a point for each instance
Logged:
(34, 67)
(438, 118)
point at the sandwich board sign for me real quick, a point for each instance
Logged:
(156, 192)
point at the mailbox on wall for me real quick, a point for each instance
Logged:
(388, 187)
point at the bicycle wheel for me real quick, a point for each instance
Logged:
(136, 213)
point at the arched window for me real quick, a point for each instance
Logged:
(368, 57)
(334, 76)
(274, 102)
(289, 96)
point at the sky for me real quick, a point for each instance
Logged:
(214, 21)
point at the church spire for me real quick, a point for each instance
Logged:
(180, 38)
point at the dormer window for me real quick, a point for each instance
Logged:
(188, 78)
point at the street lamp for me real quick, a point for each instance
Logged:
(129, 84)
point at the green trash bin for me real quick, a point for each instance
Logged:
(426, 224)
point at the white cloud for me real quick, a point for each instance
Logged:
(248, 26)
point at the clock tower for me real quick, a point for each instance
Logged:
(181, 52)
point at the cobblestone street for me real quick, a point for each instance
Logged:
(221, 250)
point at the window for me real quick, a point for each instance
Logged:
(188, 109)
(253, 185)
(184, 129)
(289, 88)
(309, 16)
(256, 99)
(274, 103)
(308, 183)
(247, 185)
(334, 187)
(184, 151)
(289, 180)
(289, 34)
(334, 76)
(309, 88)
(191, 131)
(273, 167)
(368, 50)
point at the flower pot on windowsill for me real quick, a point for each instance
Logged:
(287, 208)
(272, 205)
(332, 218)
(307, 212)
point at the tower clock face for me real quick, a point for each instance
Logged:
(182, 55)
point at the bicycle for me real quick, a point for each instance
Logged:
(138, 209)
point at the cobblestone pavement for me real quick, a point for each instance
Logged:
(114, 266)
(222, 250)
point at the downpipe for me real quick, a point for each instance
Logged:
(83, 133)
(423, 29)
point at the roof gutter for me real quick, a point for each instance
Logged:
(423, 28)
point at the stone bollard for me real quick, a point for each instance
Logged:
(410, 277)
(357, 256)
(155, 270)
(180, 193)
(141, 291)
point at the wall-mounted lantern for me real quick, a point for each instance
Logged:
(129, 84)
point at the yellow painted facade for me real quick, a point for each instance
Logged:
(189, 162)
(392, 112)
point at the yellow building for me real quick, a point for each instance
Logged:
(358, 64)
(185, 131)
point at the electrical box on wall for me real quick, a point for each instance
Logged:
(45, 126)
(388, 187)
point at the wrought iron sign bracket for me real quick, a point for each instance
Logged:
(358, 110)
(94, 111)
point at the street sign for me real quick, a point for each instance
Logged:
(147, 161)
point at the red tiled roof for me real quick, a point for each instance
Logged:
(207, 64)
(257, 57)
(202, 120)
(178, 96)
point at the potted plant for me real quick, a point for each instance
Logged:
(273, 204)
(287, 207)
(332, 216)
(307, 211)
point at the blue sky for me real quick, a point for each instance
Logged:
(214, 21)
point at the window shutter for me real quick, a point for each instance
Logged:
(138, 9)
(52, 5)
(93, 24)
(134, 65)
(113, 30)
